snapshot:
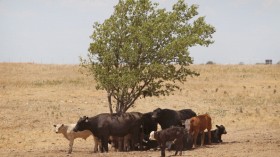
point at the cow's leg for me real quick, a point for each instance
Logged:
(71, 142)
(195, 138)
(202, 138)
(99, 145)
(209, 136)
(176, 152)
(127, 142)
(181, 150)
(140, 141)
(120, 143)
(209, 130)
(105, 143)
(102, 144)
(163, 146)
(181, 146)
(114, 143)
(176, 148)
(132, 142)
(189, 141)
(96, 143)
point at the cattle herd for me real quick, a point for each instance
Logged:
(180, 130)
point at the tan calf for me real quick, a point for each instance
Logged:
(69, 134)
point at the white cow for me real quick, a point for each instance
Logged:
(69, 134)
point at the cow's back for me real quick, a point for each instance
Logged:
(121, 125)
(97, 123)
(186, 114)
(205, 121)
(169, 118)
(201, 122)
(171, 133)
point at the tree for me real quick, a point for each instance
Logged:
(142, 50)
(210, 62)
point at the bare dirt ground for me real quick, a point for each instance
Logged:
(33, 97)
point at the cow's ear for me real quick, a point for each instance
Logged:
(62, 124)
(218, 126)
(54, 125)
(86, 119)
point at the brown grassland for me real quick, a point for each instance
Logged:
(244, 98)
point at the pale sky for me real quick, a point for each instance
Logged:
(57, 31)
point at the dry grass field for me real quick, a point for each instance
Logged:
(33, 97)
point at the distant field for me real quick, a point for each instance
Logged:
(33, 97)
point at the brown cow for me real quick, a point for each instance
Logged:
(198, 124)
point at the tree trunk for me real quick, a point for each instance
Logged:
(109, 96)
(120, 107)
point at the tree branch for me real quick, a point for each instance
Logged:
(137, 95)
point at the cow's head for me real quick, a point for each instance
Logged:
(58, 128)
(81, 124)
(187, 125)
(221, 129)
(156, 114)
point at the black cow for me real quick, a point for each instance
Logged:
(104, 125)
(216, 135)
(167, 118)
(186, 114)
(149, 125)
(174, 134)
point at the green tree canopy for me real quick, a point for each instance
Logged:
(142, 50)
